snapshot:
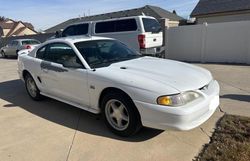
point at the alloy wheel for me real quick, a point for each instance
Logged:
(117, 114)
(31, 86)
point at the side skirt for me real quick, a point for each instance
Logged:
(73, 104)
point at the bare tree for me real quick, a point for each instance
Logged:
(2, 18)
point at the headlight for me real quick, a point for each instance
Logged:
(179, 99)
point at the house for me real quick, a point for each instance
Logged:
(10, 28)
(215, 11)
(160, 14)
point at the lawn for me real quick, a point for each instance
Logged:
(230, 141)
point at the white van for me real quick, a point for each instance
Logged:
(142, 33)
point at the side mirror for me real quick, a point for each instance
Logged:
(66, 65)
(58, 34)
(78, 61)
(74, 66)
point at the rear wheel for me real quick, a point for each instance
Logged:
(3, 54)
(17, 53)
(32, 89)
(120, 114)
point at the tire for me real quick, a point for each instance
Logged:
(120, 114)
(17, 54)
(3, 54)
(32, 89)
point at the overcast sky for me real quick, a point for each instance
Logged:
(47, 13)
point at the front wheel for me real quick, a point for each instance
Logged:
(32, 89)
(120, 114)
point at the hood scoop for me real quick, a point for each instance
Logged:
(123, 68)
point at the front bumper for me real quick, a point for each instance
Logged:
(185, 117)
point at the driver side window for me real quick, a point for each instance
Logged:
(14, 43)
(60, 53)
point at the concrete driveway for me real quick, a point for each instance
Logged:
(53, 131)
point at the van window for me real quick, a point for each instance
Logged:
(151, 25)
(116, 26)
(81, 29)
(104, 27)
(126, 25)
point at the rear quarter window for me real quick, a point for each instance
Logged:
(30, 42)
(151, 25)
(14, 43)
(41, 53)
(81, 29)
(116, 26)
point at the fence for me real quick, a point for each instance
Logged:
(220, 43)
(40, 37)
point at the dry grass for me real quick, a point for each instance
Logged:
(230, 141)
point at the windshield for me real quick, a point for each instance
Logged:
(151, 25)
(102, 53)
(30, 42)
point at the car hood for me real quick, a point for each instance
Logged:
(178, 75)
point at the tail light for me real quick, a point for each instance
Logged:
(27, 47)
(141, 40)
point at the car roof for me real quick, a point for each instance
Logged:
(111, 19)
(74, 39)
(24, 39)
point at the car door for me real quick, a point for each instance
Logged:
(7, 49)
(63, 75)
(12, 50)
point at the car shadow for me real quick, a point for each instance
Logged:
(15, 94)
(239, 97)
(9, 57)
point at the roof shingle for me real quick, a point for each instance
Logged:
(205, 7)
(6, 25)
(153, 11)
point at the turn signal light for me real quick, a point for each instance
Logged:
(164, 101)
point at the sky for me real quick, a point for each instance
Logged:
(44, 14)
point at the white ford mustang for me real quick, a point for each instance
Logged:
(102, 75)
